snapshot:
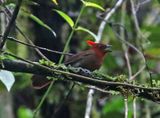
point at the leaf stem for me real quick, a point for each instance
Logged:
(42, 100)
(60, 61)
(71, 34)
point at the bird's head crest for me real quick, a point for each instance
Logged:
(90, 43)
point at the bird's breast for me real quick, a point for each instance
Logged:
(89, 59)
(90, 62)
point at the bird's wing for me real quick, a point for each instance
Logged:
(77, 57)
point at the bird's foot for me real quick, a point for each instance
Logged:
(80, 70)
(84, 71)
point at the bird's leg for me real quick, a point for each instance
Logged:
(80, 70)
(84, 70)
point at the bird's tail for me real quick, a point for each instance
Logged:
(39, 82)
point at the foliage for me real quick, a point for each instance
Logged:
(83, 19)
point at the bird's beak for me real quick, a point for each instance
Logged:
(108, 48)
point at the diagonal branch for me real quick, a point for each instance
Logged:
(36, 47)
(8, 14)
(10, 24)
(70, 74)
(108, 15)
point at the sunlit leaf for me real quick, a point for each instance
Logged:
(55, 2)
(24, 112)
(91, 4)
(87, 30)
(32, 3)
(65, 17)
(8, 3)
(7, 78)
(153, 51)
(11, 5)
(40, 22)
(116, 105)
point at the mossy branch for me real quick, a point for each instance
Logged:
(85, 77)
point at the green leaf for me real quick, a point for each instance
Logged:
(153, 52)
(91, 4)
(79, 28)
(8, 3)
(11, 5)
(40, 22)
(65, 17)
(114, 105)
(55, 2)
(24, 112)
(7, 78)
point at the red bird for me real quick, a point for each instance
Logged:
(91, 59)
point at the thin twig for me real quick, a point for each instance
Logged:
(101, 90)
(135, 18)
(8, 13)
(126, 107)
(108, 15)
(124, 46)
(140, 35)
(98, 39)
(134, 108)
(64, 100)
(89, 103)
(125, 49)
(136, 49)
(141, 3)
(41, 102)
(30, 41)
(11, 23)
(132, 46)
(38, 47)
(3, 21)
